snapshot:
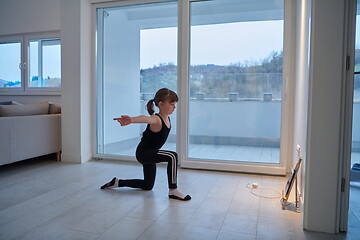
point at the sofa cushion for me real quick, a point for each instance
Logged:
(16, 103)
(6, 103)
(43, 137)
(22, 110)
(10, 103)
(54, 108)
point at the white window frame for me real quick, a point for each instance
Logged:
(182, 89)
(24, 40)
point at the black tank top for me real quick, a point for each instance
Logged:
(155, 140)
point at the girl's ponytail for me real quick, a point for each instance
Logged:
(161, 95)
(150, 107)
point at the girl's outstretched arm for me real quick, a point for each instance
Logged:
(126, 120)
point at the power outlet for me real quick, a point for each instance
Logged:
(298, 149)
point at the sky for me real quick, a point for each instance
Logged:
(357, 33)
(219, 44)
(10, 58)
(51, 61)
(9, 61)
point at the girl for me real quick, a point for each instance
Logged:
(148, 151)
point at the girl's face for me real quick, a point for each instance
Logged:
(167, 107)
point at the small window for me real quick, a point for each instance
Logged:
(44, 68)
(10, 64)
(30, 62)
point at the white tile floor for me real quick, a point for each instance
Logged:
(45, 199)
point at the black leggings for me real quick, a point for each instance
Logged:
(148, 159)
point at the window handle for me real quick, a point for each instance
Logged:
(22, 65)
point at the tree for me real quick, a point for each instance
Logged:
(249, 79)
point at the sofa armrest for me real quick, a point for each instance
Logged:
(6, 140)
(36, 135)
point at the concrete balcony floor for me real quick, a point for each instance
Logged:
(216, 152)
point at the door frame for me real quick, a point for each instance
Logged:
(183, 88)
(182, 85)
(347, 113)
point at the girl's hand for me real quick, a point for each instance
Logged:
(124, 120)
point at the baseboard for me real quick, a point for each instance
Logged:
(75, 158)
(235, 167)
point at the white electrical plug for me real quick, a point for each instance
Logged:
(298, 150)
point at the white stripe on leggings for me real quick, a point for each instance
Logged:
(173, 160)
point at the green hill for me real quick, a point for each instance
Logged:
(249, 80)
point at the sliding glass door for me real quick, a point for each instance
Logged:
(136, 56)
(352, 210)
(235, 83)
(230, 79)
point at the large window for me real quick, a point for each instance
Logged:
(230, 80)
(352, 211)
(356, 99)
(30, 63)
(355, 153)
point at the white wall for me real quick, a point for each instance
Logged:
(303, 10)
(26, 99)
(322, 185)
(76, 74)
(19, 17)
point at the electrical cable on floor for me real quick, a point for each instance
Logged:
(255, 187)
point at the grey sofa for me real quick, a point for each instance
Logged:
(28, 131)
